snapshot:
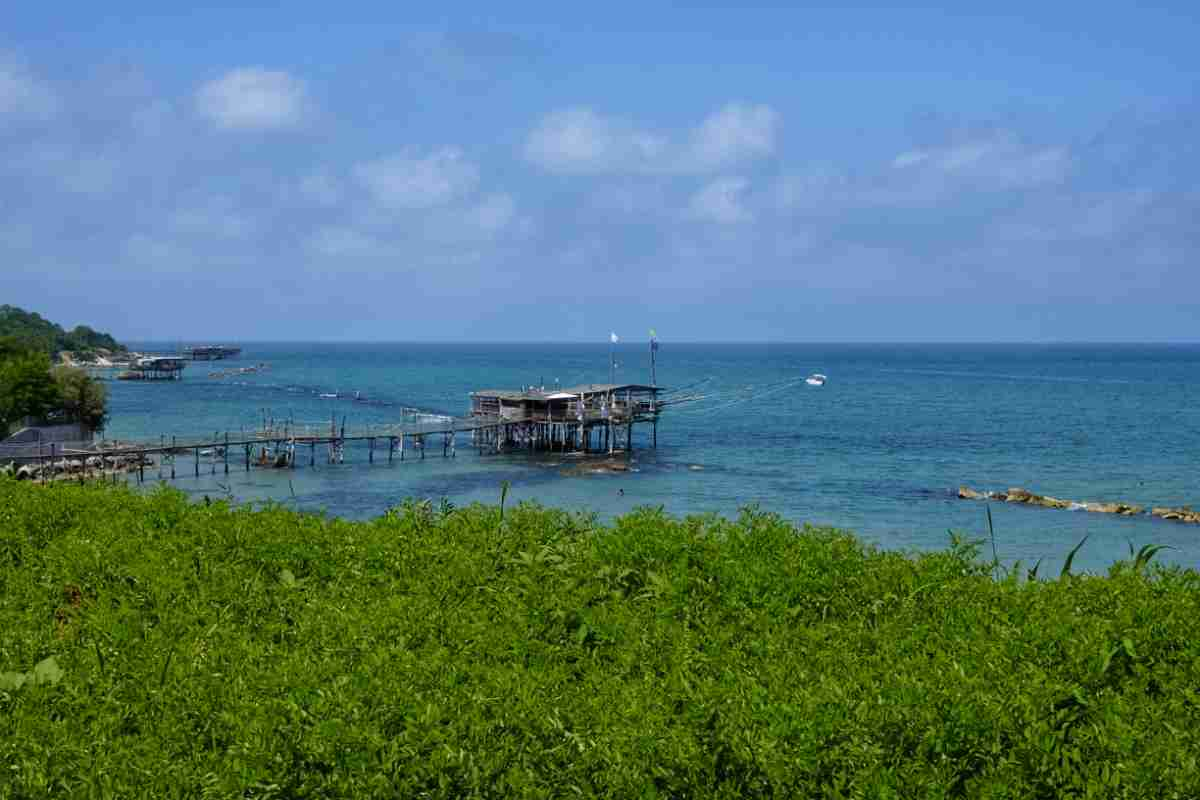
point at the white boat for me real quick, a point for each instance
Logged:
(816, 379)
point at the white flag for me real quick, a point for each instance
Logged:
(614, 339)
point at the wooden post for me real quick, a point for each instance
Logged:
(312, 452)
(172, 458)
(196, 453)
(402, 447)
(371, 450)
(247, 446)
(391, 447)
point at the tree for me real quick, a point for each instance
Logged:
(26, 388)
(82, 398)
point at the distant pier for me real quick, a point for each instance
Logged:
(211, 352)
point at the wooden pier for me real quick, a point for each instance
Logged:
(593, 418)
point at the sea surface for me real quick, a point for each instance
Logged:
(880, 449)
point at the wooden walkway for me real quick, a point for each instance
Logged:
(285, 446)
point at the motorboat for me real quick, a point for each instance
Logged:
(816, 379)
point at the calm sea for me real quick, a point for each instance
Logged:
(879, 449)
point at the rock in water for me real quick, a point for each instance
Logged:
(1182, 514)
(1113, 508)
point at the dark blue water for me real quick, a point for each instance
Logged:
(879, 449)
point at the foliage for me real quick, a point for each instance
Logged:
(82, 398)
(34, 332)
(213, 651)
(26, 388)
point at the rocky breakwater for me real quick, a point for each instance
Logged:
(1182, 514)
(1026, 497)
(89, 466)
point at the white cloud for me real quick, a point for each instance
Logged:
(998, 160)
(251, 98)
(733, 134)
(581, 141)
(494, 214)
(406, 181)
(578, 140)
(23, 95)
(721, 201)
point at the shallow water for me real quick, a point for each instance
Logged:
(879, 449)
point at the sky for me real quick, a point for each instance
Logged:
(556, 172)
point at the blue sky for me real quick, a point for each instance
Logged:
(539, 172)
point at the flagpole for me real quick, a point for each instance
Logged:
(653, 379)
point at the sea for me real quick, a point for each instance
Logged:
(880, 449)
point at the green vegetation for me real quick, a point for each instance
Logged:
(153, 648)
(30, 388)
(30, 331)
(81, 398)
(26, 387)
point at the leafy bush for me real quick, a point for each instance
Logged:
(154, 648)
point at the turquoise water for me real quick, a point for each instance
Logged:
(880, 449)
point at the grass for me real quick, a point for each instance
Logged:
(152, 648)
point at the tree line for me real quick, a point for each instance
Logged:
(33, 332)
(31, 388)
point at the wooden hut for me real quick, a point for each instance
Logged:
(595, 417)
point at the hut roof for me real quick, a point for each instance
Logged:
(542, 395)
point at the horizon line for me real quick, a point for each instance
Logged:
(196, 342)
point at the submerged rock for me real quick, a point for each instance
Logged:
(967, 493)
(1123, 509)
(1182, 514)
